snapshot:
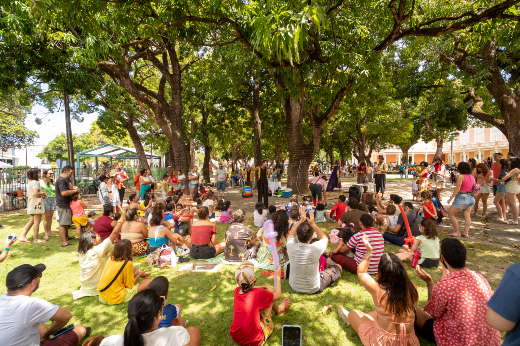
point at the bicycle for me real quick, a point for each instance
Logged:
(17, 203)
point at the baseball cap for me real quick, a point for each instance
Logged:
(245, 273)
(22, 275)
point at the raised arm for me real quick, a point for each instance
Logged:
(117, 229)
(362, 271)
(321, 235)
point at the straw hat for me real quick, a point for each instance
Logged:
(245, 273)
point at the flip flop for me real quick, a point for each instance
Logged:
(287, 306)
(270, 273)
(68, 244)
(24, 241)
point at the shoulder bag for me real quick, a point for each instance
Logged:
(115, 277)
(403, 228)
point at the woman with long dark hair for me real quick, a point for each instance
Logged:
(35, 206)
(145, 311)
(47, 185)
(395, 298)
(463, 199)
(281, 226)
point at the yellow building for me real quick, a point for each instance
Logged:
(478, 143)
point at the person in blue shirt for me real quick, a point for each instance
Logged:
(171, 313)
(504, 306)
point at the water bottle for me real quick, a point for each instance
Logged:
(415, 259)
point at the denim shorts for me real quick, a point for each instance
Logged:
(192, 186)
(501, 188)
(50, 203)
(463, 201)
(221, 185)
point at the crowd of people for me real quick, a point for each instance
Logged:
(461, 309)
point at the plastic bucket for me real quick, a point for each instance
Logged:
(19, 193)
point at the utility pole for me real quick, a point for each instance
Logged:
(70, 147)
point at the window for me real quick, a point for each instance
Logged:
(478, 135)
(496, 135)
(464, 137)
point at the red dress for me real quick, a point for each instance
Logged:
(431, 207)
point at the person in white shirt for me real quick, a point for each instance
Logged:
(22, 317)
(303, 267)
(145, 311)
(222, 175)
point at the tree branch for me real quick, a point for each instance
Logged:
(476, 110)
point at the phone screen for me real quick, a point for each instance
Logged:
(9, 237)
(291, 336)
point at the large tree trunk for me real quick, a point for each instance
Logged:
(257, 125)
(404, 157)
(136, 140)
(301, 150)
(440, 144)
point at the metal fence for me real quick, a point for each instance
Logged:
(13, 183)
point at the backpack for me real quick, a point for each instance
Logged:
(167, 256)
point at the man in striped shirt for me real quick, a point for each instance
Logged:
(376, 241)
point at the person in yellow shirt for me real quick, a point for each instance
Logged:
(381, 170)
(122, 288)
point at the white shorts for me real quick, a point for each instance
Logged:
(439, 184)
(164, 196)
(485, 189)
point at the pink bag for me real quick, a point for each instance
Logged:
(167, 256)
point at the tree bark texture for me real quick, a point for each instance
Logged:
(507, 99)
(301, 150)
(136, 140)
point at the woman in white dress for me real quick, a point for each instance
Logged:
(35, 206)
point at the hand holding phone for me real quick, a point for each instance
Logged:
(11, 238)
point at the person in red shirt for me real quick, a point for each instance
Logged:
(339, 209)
(495, 167)
(455, 313)
(428, 207)
(252, 306)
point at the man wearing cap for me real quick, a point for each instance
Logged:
(222, 175)
(381, 170)
(64, 190)
(22, 317)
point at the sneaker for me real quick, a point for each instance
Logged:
(343, 313)
(382, 198)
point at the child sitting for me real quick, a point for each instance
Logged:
(207, 201)
(203, 187)
(438, 206)
(392, 218)
(225, 212)
(252, 306)
(293, 201)
(79, 218)
(323, 260)
(272, 210)
(428, 243)
(415, 188)
(372, 210)
(171, 314)
(320, 213)
(381, 222)
(294, 216)
(428, 207)
(91, 214)
(338, 209)
(259, 214)
(344, 236)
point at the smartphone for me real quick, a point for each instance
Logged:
(291, 335)
(12, 236)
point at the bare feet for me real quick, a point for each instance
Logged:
(39, 241)
(456, 235)
(24, 240)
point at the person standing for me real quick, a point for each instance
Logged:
(439, 175)
(222, 176)
(263, 186)
(193, 181)
(137, 183)
(248, 176)
(279, 173)
(463, 199)
(122, 177)
(64, 191)
(35, 206)
(47, 185)
(495, 167)
(381, 170)
(317, 186)
(334, 179)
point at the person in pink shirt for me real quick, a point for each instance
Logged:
(339, 209)
(483, 175)
(495, 168)
(455, 313)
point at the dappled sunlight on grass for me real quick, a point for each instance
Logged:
(212, 312)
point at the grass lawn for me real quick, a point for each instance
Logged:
(212, 312)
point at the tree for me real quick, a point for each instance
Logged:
(13, 113)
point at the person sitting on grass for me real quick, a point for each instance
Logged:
(93, 255)
(397, 234)
(145, 312)
(135, 232)
(171, 313)
(292, 201)
(281, 226)
(133, 203)
(259, 214)
(395, 298)
(8, 244)
(207, 201)
(455, 313)
(272, 210)
(226, 213)
(352, 214)
(303, 268)
(294, 215)
(338, 209)
(204, 237)
(344, 236)
(23, 318)
(428, 243)
(355, 242)
(181, 220)
(239, 239)
(252, 307)
(79, 218)
(123, 288)
(320, 213)
(105, 224)
(159, 234)
(429, 210)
